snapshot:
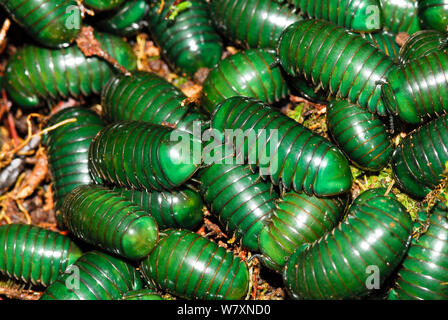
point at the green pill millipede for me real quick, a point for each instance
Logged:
(433, 14)
(68, 149)
(400, 15)
(418, 162)
(239, 198)
(126, 20)
(304, 89)
(423, 275)
(142, 294)
(259, 24)
(189, 41)
(297, 219)
(52, 23)
(418, 90)
(360, 134)
(103, 218)
(343, 63)
(190, 266)
(35, 75)
(35, 255)
(171, 209)
(374, 238)
(248, 73)
(355, 15)
(422, 43)
(103, 5)
(385, 42)
(286, 152)
(95, 276)
(143, 156)
(252, 23)
(147, 97)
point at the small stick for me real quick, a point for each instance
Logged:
(3, 32)
(90, 46)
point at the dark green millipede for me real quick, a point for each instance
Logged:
(356, 256)
(286, 152)
(144, 156)
(297, 219)
(35, 255)
(193, 267)
(343, 63)
(418, 90)
(189, 41)
(103, 5)
(126, 20)
(360, 134)
(95, 276)
(52, 23)
(171, 209)
(423, 275)
(142, 294)
(355, 15)
(103, 218)
(422, 43)
(259, 24)
(35, 75)
(419, 161)
(241, 200)
(68, 149)
(385, 42)
(433, 14)
(252, 23)
(147, 97)
(400, 15)
(247, 73)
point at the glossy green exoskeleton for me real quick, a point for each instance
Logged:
(297, 219)
(422, 43)
(147, 97)
(252, 23)
(373, 239)
(419, 161)
(171, 209)
(35, 255)
(342, 63)
(35, 75)
(385, 42)
(355, 15)
(284, 151)
(248, 73)
(103, 218)
(190, 266)
(400, 15)
(360, 134)
(68, 149)
(95, 276)
(433, 14)
(52, 23)
(418, 90)
(103, 5)
(188, 39)
(144, 156)
(423, 275)
(239, 198)
(142, 294)
(126, 20)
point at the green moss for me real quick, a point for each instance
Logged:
(296, 114)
